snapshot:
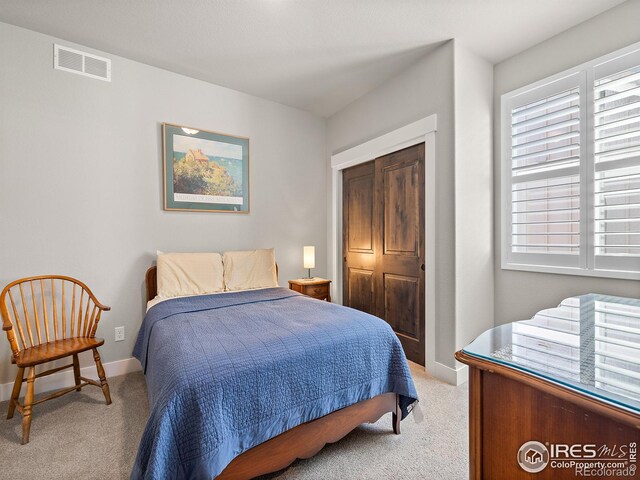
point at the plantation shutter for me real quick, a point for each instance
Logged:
(545, 175)
(616, 123)
(551, 342)
(616, 359)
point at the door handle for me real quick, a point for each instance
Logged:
(422, 267)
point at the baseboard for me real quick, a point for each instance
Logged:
(454, 376)
(65, 378)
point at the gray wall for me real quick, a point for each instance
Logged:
(422, 90)
(81, 177)
(519, 295)
(473, 195)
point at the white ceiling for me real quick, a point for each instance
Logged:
(317, 55)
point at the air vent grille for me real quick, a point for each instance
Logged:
(82, 63)
(70, 60)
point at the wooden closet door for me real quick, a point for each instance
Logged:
(399, 246)
(383, 244)
(358, 191)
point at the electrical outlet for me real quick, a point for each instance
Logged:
(119, 334)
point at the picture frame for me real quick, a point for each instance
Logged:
(205, 171)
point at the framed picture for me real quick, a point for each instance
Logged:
(205, 171)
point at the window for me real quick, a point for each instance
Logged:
(571, 171)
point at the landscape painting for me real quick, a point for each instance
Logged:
(205, 171)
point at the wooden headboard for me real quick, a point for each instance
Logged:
(151, 281)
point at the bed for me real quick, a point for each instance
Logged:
(243, 383)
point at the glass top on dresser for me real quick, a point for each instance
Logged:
(589, 343)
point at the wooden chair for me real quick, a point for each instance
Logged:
(55, 317)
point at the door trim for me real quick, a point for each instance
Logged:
(423, 130)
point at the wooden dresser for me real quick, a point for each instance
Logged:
(319, 288)
(557, 396)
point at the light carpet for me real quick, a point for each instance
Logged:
(78, 437)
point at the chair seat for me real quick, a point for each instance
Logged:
(47, 352)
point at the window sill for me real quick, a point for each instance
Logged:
(618, 274)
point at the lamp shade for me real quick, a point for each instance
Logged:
(310, 257)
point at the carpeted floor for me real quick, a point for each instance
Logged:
(78, 437)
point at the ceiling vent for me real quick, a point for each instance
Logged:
(82, 63)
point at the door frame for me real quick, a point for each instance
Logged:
(423, 130)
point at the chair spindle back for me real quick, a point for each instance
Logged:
(48, 308)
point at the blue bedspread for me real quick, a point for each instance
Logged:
(229, 371)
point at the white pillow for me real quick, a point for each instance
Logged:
(189, 274)
(244, 270)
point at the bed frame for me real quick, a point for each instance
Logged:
(305, 440)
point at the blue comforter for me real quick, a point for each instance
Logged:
(229, 371)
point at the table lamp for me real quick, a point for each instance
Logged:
(309, 258)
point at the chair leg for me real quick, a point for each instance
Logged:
(76, 371)
(26, 409)
(103, 378)
(15, 394)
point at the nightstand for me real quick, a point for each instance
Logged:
(314, 287)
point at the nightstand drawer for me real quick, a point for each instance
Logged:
(317, 291)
